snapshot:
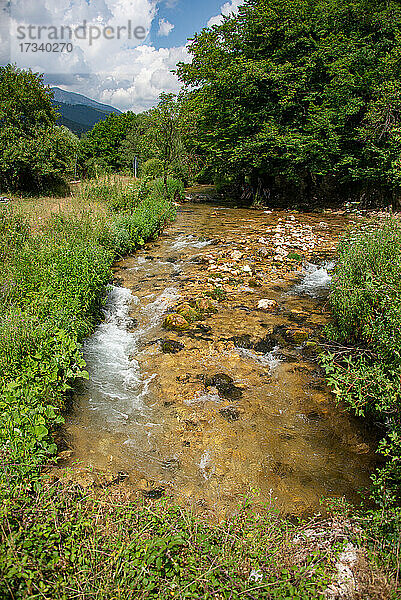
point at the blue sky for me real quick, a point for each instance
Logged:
(127, 73)
(187, 16)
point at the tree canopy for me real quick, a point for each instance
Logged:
(300, 94)
(34, 152)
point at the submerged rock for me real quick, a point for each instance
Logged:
(263, 345)
(171, 346)
(298, 335)
(175, 322)
(231, 413)
(224, 385)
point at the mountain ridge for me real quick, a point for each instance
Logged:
(78, 112)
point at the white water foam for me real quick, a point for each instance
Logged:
(204, 465)
(116, 389)
(185, 241)
(316, 281)
(267, 360)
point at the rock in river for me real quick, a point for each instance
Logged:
(266, 304)
(175, 322)
(171, 346)
(225, 386)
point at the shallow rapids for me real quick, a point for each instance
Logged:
(235, 404)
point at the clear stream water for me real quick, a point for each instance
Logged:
(281, 438)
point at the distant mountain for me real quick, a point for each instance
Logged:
(78, 112)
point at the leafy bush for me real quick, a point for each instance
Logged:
(175, 188)
(364, 365)
(35, 154)
(152, 168)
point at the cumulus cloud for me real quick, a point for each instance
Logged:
(165, 28)
(228, 8)
(152, 75)
(126, 72)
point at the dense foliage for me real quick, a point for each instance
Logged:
(35, 154)
(101, 149)
(364, 364)
(156, 139)
(300, 96)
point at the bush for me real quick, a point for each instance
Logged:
(364, 366)
(35, 154)
(175, 188)
(152, 168)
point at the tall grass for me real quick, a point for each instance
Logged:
(124, 194)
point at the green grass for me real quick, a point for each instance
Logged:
(76, 545)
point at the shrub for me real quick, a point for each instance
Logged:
(364, 365)
(35, 154)
(175, 188)
(152, 168)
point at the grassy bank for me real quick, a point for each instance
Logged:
(51, 287)
(63, 544)
(364, 363)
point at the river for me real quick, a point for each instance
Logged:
(235, 405)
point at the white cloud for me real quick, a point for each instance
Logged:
(165, 28)
(228, 8)
(129, 74)
(152, 75)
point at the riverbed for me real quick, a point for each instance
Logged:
(235, 405)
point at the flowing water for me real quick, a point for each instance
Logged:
(241, 406)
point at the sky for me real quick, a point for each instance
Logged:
(119, 52)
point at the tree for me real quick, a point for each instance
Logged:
(103, 145)
(34, 152)
(164, 132)
(281, 93)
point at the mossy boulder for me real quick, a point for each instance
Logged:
(205, 305)
(188, 312)
(298, 335)
(224, 385)
(312, 347)
(175, 322)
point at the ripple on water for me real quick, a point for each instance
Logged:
(184, 241)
